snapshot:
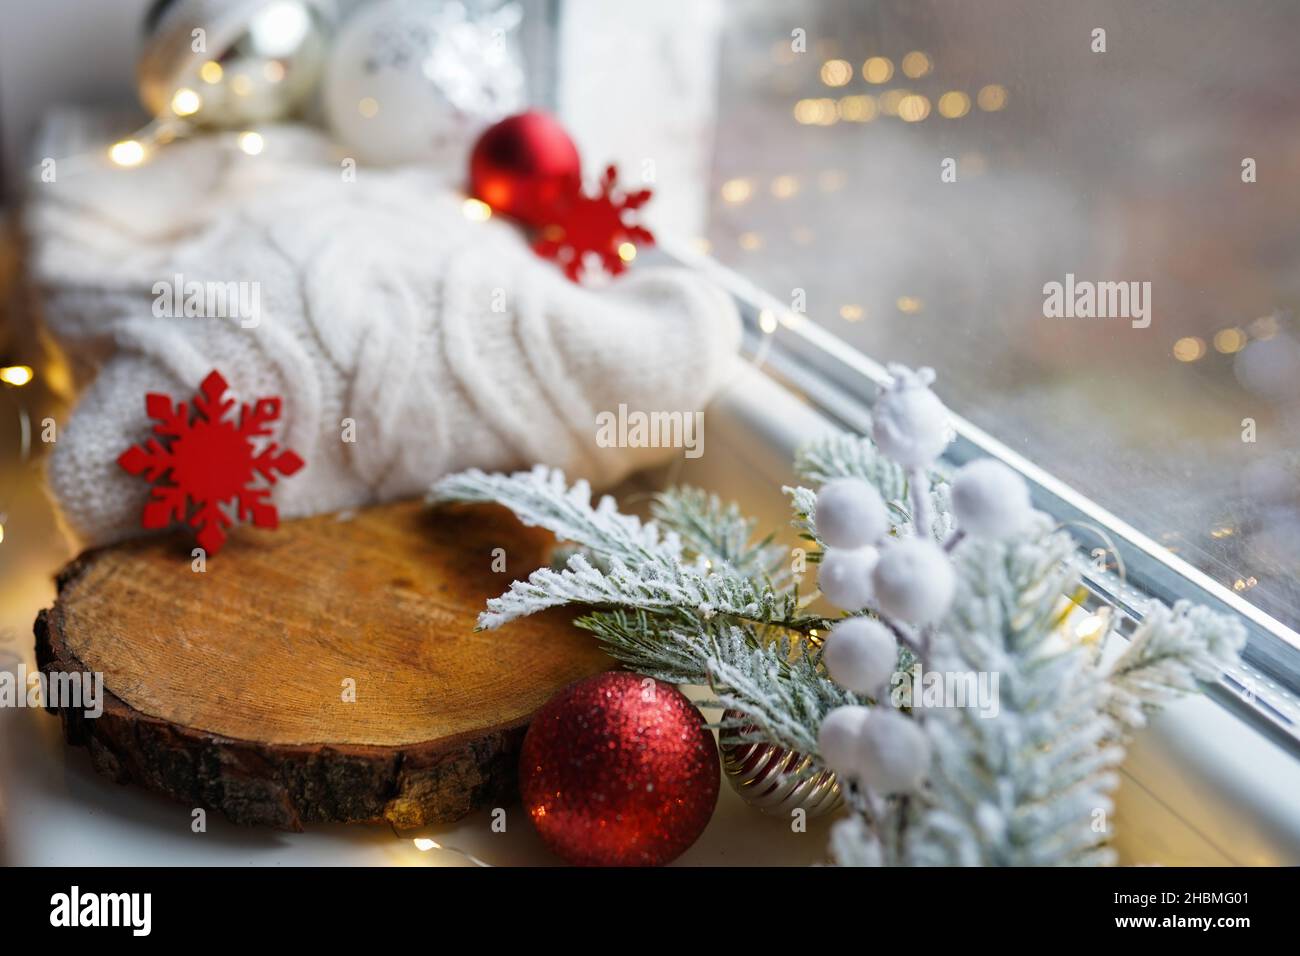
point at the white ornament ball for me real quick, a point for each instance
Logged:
(850, 514)
(989, 500)
(893, 752)
(837, 739)
(861, 654)
(418, 80)
(909, 423)
(913, 580)
(845, 576)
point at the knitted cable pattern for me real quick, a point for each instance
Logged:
(446, 342)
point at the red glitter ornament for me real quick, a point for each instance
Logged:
(619, 770)
(525, 166)
(209, 460)
(595, 224)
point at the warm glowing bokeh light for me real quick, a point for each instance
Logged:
(816, 112)
(859, 108)
(737, 190)
(783, 187)
(992, 98)
(913, 108)
(18, 375)
(129, 152)
(954, 104)
(917, 64)
(837, 72)
(1230, 340)
(185, 102)
(878, 69)
(476, 210)
(890, 99)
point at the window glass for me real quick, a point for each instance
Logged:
(1084, 217)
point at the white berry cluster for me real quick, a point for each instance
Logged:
(906, 580)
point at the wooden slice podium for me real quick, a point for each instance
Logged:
(325, 672)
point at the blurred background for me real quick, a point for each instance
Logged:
(1115, 166)
(801, 143)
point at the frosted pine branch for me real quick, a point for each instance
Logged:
(717, 532)
(648, 644)
(1171, 651)
(775, 683)
(540, 498)
(651, 586)
(691, 598)
(803, 505)
(778, 687)
(1020, 788)
(842, 455)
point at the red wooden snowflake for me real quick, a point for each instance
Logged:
(209, 460)
(595, 224)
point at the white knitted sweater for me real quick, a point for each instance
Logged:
(446, 340)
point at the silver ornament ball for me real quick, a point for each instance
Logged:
(232, 63)
(776, 780)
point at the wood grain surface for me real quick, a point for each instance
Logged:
(228, 687)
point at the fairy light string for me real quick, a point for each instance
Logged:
(12, 380)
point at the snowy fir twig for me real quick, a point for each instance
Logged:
(960, 578)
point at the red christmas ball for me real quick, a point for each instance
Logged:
(524, 166)
(619, 770)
